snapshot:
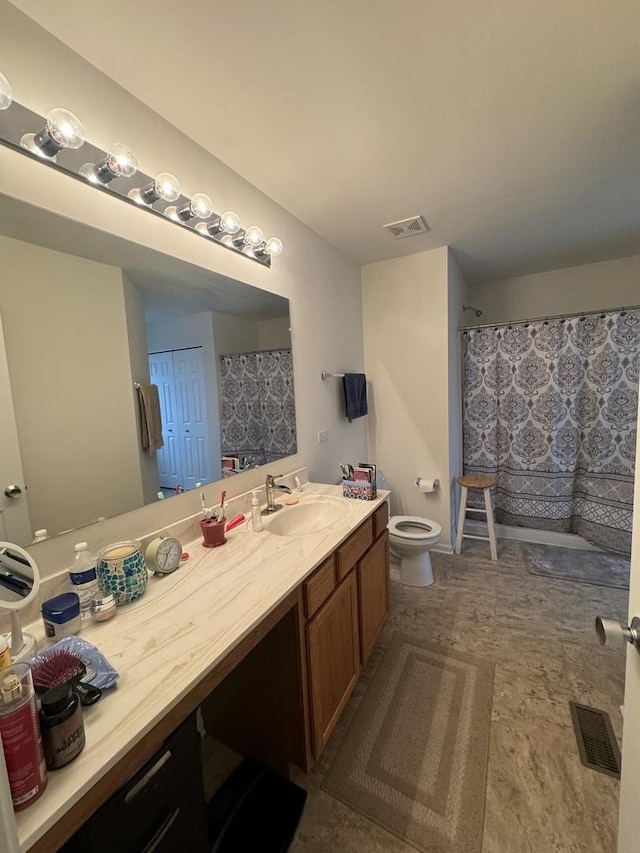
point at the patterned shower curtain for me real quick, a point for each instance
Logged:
(550, 409)
(258, 417)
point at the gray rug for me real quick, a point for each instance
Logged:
(414, 759)
(570, 564)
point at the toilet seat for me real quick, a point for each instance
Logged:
(412, 527)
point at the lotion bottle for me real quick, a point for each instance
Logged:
(256, 515)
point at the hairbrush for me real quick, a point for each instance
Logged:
(62, 667)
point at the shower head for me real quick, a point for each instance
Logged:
(476, 311)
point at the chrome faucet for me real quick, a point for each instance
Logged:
(270, 487)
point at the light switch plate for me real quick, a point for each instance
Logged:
(323, 435)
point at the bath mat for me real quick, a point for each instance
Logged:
(414, 758)
(570, 564)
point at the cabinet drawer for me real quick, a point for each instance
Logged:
(350, 551)
(380, 520)
(319, 586)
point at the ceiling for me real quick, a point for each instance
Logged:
(512, 126)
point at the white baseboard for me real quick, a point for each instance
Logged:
(527, 534)
(443, 548)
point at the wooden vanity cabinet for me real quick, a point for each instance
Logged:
(333, 650)
(342, 632)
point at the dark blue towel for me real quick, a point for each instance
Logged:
(355, 395)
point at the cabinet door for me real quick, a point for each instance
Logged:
(373, 593)
(334, 659)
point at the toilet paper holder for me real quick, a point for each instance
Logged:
(436, 483)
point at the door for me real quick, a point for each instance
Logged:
(334, 659)
(15, 524)
(629, 824)
(185, 459)
(373, 594)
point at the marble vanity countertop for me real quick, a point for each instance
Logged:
(164, 644)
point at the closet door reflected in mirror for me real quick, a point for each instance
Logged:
(81, 312)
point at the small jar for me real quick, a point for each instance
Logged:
(61, 725)
(61, 615)
(103, 608)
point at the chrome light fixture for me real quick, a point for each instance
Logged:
(120, 162)
(63, 133)
(62, 130)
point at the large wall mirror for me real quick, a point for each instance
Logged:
(85, 317)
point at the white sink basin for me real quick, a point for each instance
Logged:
(312, 514)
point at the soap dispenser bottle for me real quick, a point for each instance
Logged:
(256, 515)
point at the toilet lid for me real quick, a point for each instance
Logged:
(414, 527)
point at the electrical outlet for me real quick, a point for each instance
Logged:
(323, 435)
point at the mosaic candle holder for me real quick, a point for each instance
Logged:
(122, 571)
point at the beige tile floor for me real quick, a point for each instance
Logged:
(539, 633)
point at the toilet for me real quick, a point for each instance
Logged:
(410, 540)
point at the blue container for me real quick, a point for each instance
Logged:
(61, 615)
(122, 571)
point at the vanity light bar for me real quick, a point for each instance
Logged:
(56, 140)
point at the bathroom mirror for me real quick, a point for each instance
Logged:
(84, 318)
(19, 585)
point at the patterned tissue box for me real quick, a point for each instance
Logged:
(360, 491)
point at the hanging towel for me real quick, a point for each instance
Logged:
(355, 395)
(150, 417)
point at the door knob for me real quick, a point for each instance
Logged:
(610, 629)
(13, 491)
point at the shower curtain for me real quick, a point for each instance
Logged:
(258, 417)
(550, 409)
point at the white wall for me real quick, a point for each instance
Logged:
(274, 333)
(74, 406)
(233, 333)
(406, 341)
(323, 287)
(456, 291)
(590, 287)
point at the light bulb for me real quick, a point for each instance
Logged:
(6, 94)
(120, 162)
(253, 236)
(273, 247)
(63, 130)
(228, 223)
(200, 206)
(166, 187)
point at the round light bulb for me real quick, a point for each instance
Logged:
(201, 206)
(122, 161)
(253, 236)
(167, 187)
(65, 129)
(6, 93)
(273, 247)
(230, 222)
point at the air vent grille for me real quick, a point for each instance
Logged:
(596, 740)
(407, 227)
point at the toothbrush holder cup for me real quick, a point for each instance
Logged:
(213, 532)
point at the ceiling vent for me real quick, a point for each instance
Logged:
(407, 227)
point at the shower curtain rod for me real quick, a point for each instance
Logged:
(549, 317)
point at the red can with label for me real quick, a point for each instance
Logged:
(20, 733)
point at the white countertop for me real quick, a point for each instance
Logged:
(182, 627)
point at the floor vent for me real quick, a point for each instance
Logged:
(597, 743)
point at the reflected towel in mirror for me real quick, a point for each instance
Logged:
(150, 417)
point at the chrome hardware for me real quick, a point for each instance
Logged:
(270, 487)
(610, 629)
(13, 491)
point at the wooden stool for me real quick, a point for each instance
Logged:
(476, 481)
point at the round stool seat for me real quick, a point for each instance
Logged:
(412, 527)
(476, 481)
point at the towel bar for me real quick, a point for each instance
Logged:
(326, 375)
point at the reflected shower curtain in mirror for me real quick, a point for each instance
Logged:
(258, 417)
(550, 409)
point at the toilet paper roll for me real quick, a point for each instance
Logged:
(426, 486)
